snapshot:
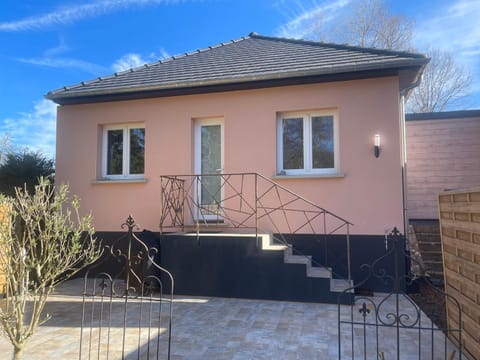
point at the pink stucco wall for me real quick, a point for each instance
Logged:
(369, 195)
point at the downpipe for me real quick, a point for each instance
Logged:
(403, 160)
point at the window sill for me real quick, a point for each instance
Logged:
(120, 181)
(310, 176)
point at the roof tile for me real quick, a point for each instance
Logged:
(251, 58)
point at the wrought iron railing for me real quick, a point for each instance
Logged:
(249, 202)
(391, 325)
(127, 310)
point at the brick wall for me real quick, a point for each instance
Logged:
(459, 213)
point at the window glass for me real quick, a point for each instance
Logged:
(211, 162)
(322, 142)
(292, 129)
(306, 143)
(114, 152)
(123, 151)
(137, 151)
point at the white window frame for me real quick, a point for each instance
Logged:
(126, 151)
(307, 143)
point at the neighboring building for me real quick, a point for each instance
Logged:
(303, 114)
(443, 151)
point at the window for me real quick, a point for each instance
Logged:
(307, 143)
(123, 151)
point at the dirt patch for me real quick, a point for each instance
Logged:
(431, 299)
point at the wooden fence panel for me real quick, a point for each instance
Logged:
(459, 213)
(3, 280)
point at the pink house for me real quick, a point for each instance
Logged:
(276, 127)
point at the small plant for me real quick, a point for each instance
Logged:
(43, 242)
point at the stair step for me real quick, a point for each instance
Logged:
(431, 253)
(432, 257)
(290, 258)
(434, 273)
(268, 244)
(336, 285)
(432, 260)
(433, 266)
(429, 241)
(340, 285)
(427, 228)
(436, 245)
(428, 236)
(318, 272)
(298, 259)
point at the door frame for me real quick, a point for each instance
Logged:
(197, 166)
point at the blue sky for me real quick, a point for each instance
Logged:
(47, 44)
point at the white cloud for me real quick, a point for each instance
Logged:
(61, 48)
(127, 62)
(454, 27)
(162, 54)
(308, 19)
(86, 66)
(70, 14)
(35, 129)
(51, 58)
(133, 60)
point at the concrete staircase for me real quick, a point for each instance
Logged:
(426, 235)
(336, 285)
(248, 265)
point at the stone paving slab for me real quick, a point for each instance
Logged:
(219, 328)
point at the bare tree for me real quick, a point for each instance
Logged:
(371, 25)
(444, 84)
(43, 241)
(4, 146)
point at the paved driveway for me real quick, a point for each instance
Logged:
(215, 328)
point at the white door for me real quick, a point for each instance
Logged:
(209, 165)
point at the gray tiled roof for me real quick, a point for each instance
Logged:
(250, 59)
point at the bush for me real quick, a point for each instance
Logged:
(24, 168)
(43, 242)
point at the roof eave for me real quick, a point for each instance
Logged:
(332, 73)
(444, 115)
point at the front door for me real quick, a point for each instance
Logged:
(209, 166)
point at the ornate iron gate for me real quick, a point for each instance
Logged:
(391, 325)
(127, 311)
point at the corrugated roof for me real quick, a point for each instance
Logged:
(251, 59)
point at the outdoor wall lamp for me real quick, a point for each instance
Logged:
(376, 147)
